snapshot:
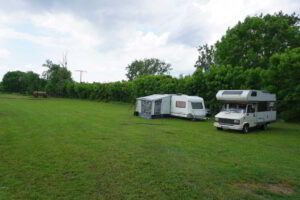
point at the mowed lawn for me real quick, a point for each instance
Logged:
(75, 149)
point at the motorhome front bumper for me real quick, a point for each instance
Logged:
(228, 126)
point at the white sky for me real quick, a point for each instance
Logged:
(103, 37)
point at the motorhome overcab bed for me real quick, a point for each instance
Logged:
(160, 105)
(244, 109)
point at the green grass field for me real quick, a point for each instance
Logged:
(73, 149)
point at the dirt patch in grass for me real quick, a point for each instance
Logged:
(280, 188)
(276, 188)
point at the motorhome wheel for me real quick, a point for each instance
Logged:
(246, 128)
(264, 126)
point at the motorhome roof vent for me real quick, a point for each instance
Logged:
(253, 93)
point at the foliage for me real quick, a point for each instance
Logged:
(205, 58)
(57, 78)
(152, 66)
(22, 82)
(154, 84)
(252, 42)
(283, 78)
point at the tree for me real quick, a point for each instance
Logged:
(22, 82)
(144, 67)
(251, 43)
(14, 81)
(205, 58)
(32, 82)
(57, 78)
(283, 78)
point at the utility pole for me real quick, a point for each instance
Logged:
(81, 71)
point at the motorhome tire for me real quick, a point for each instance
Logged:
(264, 126)
(219, 128)
(246, 128)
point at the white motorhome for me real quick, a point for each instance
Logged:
(244, 109)
(191, 107)
(159, 105)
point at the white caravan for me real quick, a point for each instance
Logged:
(160, 105)
(191, 107)
(244, 109)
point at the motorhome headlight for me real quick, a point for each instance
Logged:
(216, 119)
(236, 121)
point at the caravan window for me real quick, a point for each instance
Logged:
(180, 104)
(197, 105)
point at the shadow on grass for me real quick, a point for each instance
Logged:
(270, 130)
(251, 131)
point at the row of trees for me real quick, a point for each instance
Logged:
(263, 53)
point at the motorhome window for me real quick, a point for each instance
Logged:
(180, 104)
(234, 107)
(262, 106)
(253, 93)
(250, 109)
(232, 92)
(271, 106)
(197, 105)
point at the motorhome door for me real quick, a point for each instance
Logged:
(250, 115)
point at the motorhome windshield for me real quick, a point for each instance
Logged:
(234, 107)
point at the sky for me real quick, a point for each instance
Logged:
(103, 36)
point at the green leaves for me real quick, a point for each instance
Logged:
(252, 42)
(152, 66)
(283, 78)
(57, 77)
(22, 82)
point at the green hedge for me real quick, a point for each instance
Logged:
(282, 78)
